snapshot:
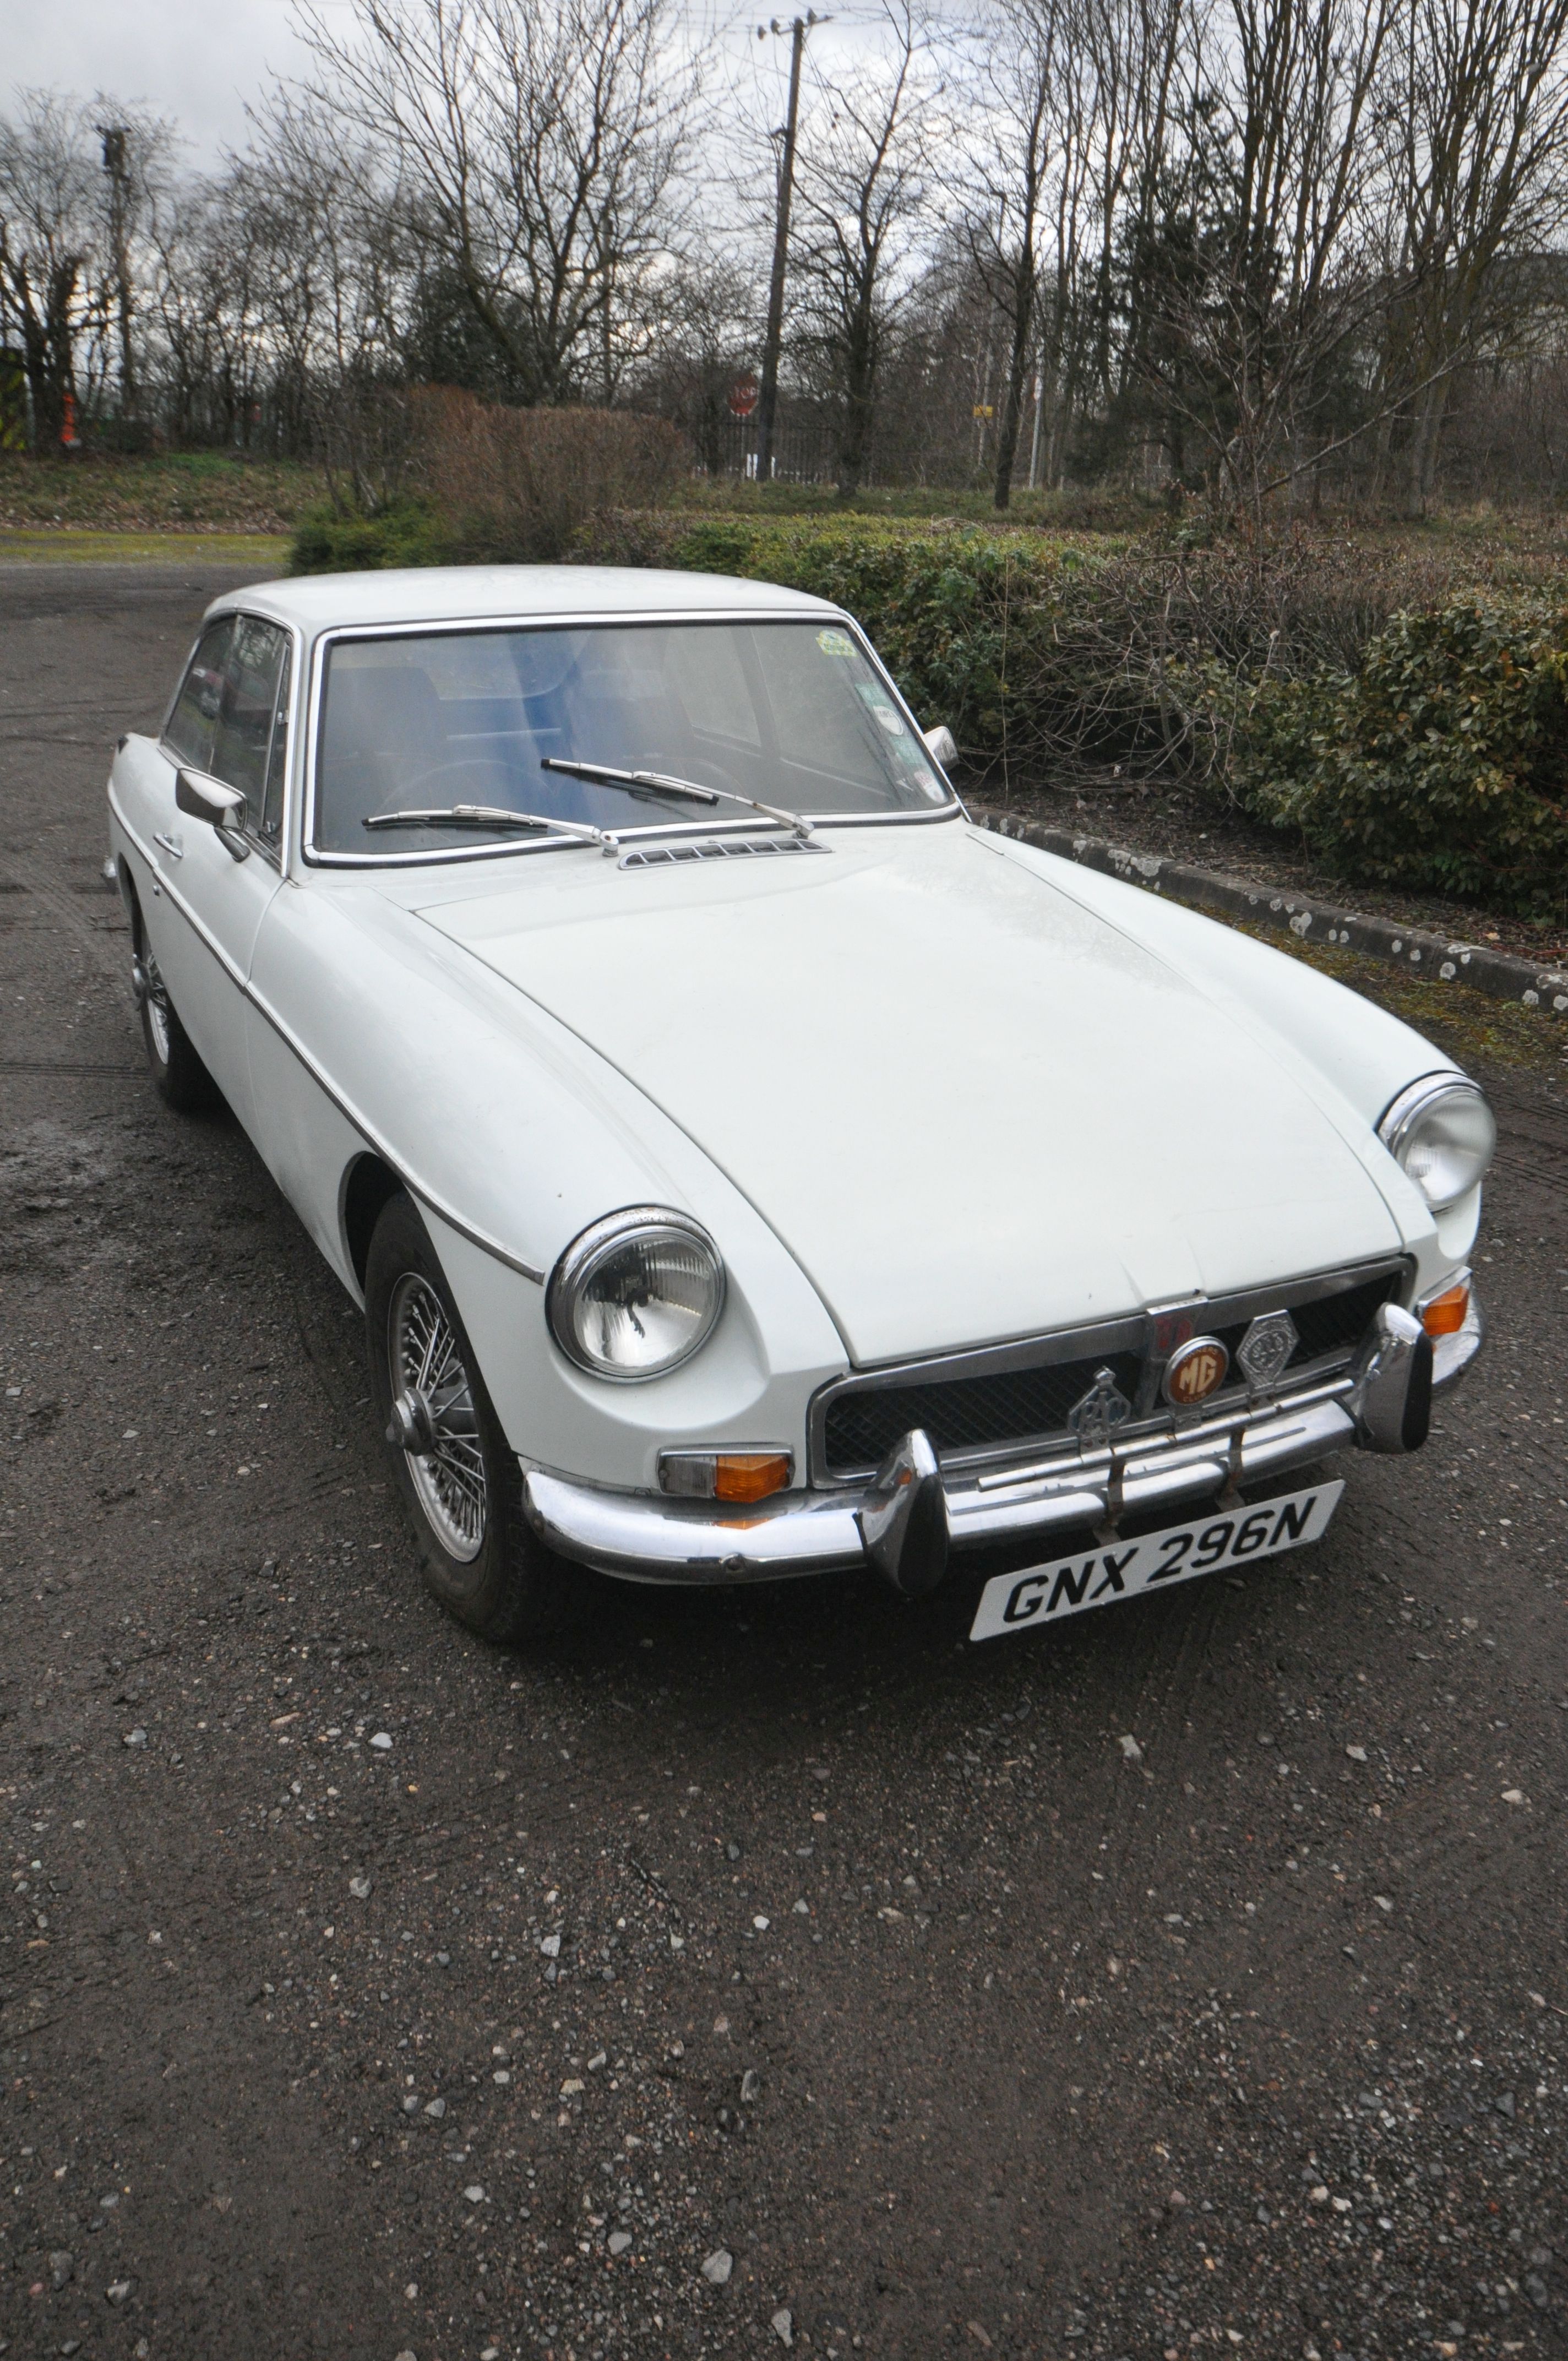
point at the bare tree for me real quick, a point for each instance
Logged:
(1264, 266)
(861, 196)
(51, 235)
(538, 142)
(1475, 125)
(1015, 107)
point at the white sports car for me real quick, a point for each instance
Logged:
(747, 1166)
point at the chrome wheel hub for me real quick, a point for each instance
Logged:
(433, 1420)
(151, 997)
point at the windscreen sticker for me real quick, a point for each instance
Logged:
(835, 643)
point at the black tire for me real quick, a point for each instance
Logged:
(508, 1588)
(178, 1076)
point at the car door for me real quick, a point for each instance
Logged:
(229, 723)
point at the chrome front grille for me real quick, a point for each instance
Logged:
(1001, 1402)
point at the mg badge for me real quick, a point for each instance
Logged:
(1192, 1373)
(1264, 1351)
(1103, 1408)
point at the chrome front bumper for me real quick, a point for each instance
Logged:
(908, 1520)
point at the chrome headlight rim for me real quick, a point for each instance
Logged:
(587, 1254)
(1401, 1121)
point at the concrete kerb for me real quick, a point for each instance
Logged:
(1430, 957)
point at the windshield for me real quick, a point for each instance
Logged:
(793, 714)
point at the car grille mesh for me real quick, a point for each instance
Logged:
(1031, 1405)
(966, 1414)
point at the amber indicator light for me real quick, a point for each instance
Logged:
(750, 1474)
(1444, 1315)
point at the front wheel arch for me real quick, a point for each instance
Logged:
(370, 1184)
(512, 1587)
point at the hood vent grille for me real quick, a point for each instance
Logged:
(717, 848)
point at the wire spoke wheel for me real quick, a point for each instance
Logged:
(435, 1400)
(156, 1003)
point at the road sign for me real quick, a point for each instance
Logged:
(743, 395)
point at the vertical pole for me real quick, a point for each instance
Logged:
(768, 404)
(116, 163)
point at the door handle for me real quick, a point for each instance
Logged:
(173, 845)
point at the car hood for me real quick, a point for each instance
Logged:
(969, 1106)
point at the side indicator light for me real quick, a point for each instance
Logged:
(750, 1475)
(739, 1475)
(1444, 1315)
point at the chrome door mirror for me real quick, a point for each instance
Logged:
(201, 797)
(942, 743)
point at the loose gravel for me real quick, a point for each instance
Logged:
(747, 1972)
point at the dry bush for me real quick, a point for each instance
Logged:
(513, 486)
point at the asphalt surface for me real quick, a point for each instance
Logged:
(1188, 1979)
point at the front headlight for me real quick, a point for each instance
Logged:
(636, 1294)
(1442, 1132)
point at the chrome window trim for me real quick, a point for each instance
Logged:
(1132, 1331)
(351, 1114)
(412, 628)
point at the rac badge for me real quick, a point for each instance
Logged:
(1194, 1370)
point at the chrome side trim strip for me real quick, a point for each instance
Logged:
(361, 1122)
(373, 1138)
(202, 932)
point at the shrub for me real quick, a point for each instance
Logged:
(480, 484)
(968, 621)
(514, 486)
(336, 540)
(1441, 761)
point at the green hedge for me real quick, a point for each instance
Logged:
(1441, 763)
(968, 620)
(1426, 747)
(331, 540)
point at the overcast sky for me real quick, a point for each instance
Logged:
(198, 61)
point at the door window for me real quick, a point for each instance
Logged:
(242, 738)
(192, 725)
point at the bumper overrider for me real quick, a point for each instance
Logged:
(908, 1521)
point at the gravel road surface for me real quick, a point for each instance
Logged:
(747, 1972)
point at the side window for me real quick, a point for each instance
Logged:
(192, 727)
(244, 734)
(269, 823)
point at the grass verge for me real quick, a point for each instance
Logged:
(267, 551)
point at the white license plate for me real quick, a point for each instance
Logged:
(1097, 1577)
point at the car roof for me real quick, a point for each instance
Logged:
(451, 594)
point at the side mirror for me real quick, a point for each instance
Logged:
(200, 797)
(942, 743)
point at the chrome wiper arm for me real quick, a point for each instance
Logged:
(494, 816)
(656, 782)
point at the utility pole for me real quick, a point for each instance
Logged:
(767, 406)
(116, 163)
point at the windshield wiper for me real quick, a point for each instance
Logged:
(493, 816)
(651, 782)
